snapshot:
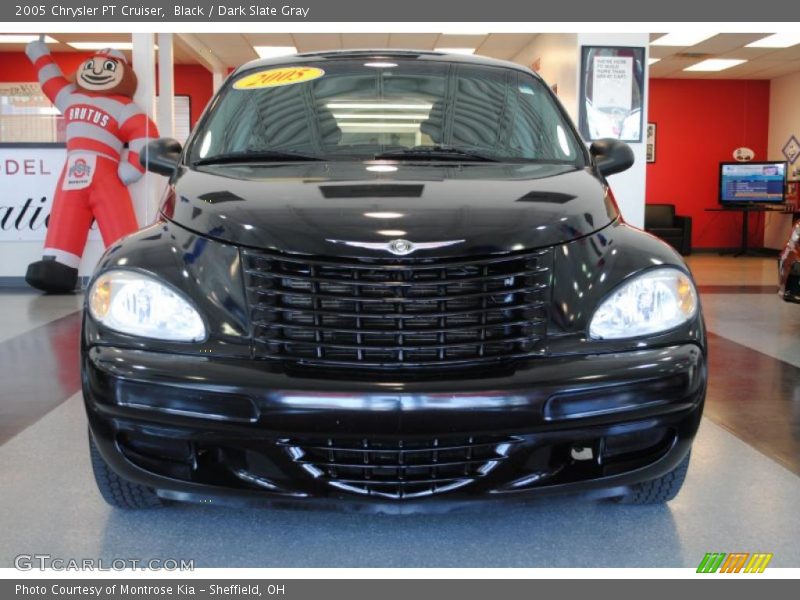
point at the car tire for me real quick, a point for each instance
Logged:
(117, 491)
(657, 491)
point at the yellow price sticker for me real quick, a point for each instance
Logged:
(278, 77)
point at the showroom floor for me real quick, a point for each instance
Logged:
(741, 493)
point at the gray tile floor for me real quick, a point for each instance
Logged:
(762, 322)
(22, 312)
(734, 499)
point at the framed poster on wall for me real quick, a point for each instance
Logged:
(611, 93)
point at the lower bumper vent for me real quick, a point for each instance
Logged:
(399, 468)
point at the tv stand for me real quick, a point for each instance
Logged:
(746, 209)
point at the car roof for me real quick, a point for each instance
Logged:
(383, 53)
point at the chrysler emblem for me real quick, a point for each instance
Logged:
(398, 247)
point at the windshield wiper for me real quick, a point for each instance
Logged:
(255, 157)
(437, 153)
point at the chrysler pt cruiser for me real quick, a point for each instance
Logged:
(389, 280)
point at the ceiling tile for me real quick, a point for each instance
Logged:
(459, 41)
(182, 56)
(725, 42)
(790, 54)
(666, 67)
(231, 48)
(365, 40)
(779, 69)
(317, 42)
(413, 41)
(662, 51)
(91, 37)
(749, 53)
(269, 39)
(504, 45)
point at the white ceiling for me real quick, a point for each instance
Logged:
(233, 49)
(762, 63)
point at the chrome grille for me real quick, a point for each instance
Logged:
(399, 468)
(407, 312)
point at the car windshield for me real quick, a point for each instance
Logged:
(394, 109)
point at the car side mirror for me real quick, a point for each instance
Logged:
(161, 156)
(611, 156)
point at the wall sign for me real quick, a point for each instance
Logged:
(28, 179)
(612, 93)
(650, 144)
(791, 149)
(743, 154)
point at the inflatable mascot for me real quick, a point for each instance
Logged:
(105, 131)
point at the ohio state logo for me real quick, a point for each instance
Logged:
(80, 169)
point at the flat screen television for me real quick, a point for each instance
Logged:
(752, 183)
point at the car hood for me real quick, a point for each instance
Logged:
(355, 209)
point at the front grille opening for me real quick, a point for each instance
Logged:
(629, 446)
(169, 457)
(591, 458)
(399, 468)
(404, 312)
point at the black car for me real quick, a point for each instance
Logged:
(389, 280)
(789, 267)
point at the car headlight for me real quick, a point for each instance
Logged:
(137, 304)
(655, 301)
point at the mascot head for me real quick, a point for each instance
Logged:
(107, 72)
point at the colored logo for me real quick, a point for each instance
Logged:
(278, 77)
(737, 562)
(791, 149)
(80, 169)
(743, 154)
(398, 247)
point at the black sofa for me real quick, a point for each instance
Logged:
(661, 221)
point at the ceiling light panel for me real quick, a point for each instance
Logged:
(776, 40)
(682, 40)
(456, 50)
(7, 38)
(274, 51)
(716, 64)
(101, 45)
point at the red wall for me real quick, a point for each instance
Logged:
(192, 80)
(699, 124)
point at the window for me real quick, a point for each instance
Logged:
(356, 111)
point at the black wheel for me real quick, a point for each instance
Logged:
(660, 490)
(117, 491)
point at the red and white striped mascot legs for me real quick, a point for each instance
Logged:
(105, 132)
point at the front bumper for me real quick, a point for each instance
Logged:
(235, 431)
